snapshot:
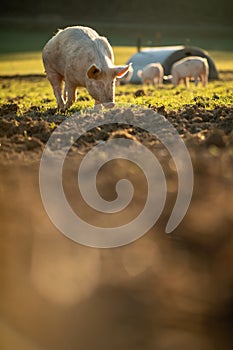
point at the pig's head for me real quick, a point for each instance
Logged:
(101, 83)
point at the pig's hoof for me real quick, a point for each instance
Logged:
(98, 107)
(62, 110)
(109, 104)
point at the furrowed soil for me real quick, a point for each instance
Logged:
(163, 291)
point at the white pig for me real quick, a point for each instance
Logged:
(152, 74)
(78, 56)
(190, 67)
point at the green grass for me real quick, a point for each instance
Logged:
(38, 92)
(22, 41)
(217, 93)
(21, 63)
(223, 59)
(35, 95)
(31, 63)
(21, 35)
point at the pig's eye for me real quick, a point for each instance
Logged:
(93, 72)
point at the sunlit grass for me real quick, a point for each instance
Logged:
(215, 94)
(37, 93)
(223, 59)
(123, 53)
(21, 63)
(31, 62)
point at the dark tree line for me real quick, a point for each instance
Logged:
(160, 11)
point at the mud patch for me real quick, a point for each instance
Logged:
(195, 124)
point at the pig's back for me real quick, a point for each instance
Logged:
(75, 43)
(72, 36)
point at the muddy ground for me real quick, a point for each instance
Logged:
(162, 292)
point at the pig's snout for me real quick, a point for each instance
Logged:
(98, 105)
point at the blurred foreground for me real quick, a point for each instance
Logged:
(163, 292)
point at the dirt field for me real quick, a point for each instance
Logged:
(162, 292)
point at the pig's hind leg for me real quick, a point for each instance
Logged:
(70, 92)
(56, 80)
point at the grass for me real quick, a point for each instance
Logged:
(216, 94)
(23, 39)
(21, 35)
(37, 92)
(31, 63)
(21, 63)
(36, 95)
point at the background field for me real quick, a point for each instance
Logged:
(23, 40)
(29, 62)
(20, 54)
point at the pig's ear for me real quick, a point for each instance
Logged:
(120, 71)
(93, 72)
